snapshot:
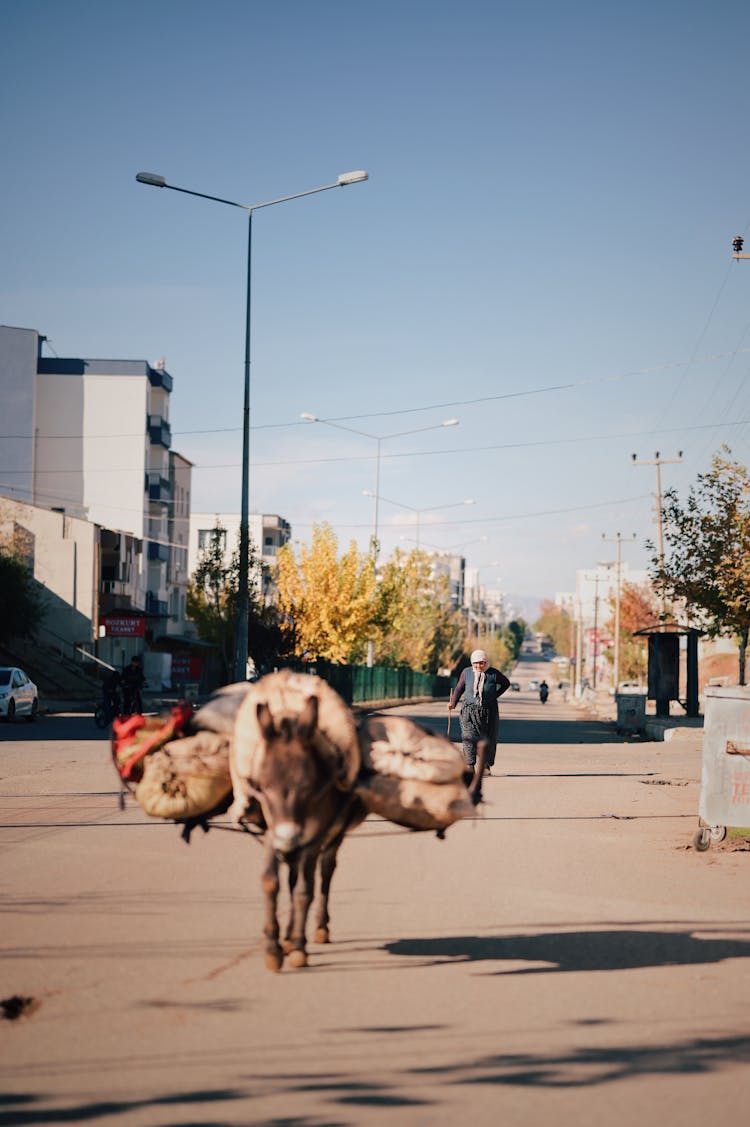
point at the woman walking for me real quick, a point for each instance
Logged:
(481, 686)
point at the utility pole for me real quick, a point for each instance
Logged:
(579, 649)
(617, 540)
(658, 461)
(596, 626)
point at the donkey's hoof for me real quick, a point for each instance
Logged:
(297, 959)
(274, 961)
(322, 935)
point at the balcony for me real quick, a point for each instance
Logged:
(158, 551)
(158, 377)
(159, 431)
(157, 487)
(155, 607)
(112, 594)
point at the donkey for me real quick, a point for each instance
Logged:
(302, 780)
(307, 817)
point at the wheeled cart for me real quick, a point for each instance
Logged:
(725, 772)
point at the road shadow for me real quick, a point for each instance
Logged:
(574, 951)
(529, 730)
(591, 1066)
(78, 727)
(27, 1108)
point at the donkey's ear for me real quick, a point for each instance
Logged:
(307, 721)
(265, 720)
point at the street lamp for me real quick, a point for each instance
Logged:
(411, 508)
(240, 668)
(379, 438)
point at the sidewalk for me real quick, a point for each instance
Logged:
(601, 705)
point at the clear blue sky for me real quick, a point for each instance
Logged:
(554, 190)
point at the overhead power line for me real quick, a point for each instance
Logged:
(533, 444)
(522, 393)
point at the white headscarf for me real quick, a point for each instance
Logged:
(478, 655)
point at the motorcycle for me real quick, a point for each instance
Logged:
(543, 692)
(109, 707)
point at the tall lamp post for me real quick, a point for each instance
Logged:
(412, 509)
(243, 606)
(379, 438)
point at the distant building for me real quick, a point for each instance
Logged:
(596, 587)
(267, 532)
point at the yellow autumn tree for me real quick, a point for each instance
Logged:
(331, 600)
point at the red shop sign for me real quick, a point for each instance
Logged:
(185, 667)
(124, 625)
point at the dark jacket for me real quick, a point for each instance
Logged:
(495, 684)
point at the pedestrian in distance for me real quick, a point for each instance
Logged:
(481, 686)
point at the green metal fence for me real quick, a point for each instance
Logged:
(359, 684)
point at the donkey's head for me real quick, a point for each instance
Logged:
(295, 784)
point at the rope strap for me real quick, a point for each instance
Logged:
(143, 735)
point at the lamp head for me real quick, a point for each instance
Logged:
(151, 178)
(352, 177)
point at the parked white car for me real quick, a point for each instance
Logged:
(18, 695)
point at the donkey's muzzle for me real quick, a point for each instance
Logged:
(286, 837)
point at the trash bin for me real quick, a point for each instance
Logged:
(725, 772)
(631, 712)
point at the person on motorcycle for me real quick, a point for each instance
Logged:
(132, 683)
(112, 694)
(543, 692)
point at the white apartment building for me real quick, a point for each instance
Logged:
(91, 439)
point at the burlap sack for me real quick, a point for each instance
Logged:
(186, 777)
(286, 693)
(401, 749)
(414, 803)
(219, 713)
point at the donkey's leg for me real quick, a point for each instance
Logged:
(301, 900)
(327, 869)
(328, 860)
(293, 868)
(269, 882)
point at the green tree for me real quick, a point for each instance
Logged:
(557, 625)
(21, 600)
(417, 623)
(212, 606)
(707, 551)
(513, 635)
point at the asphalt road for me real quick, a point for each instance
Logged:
(565, 958)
